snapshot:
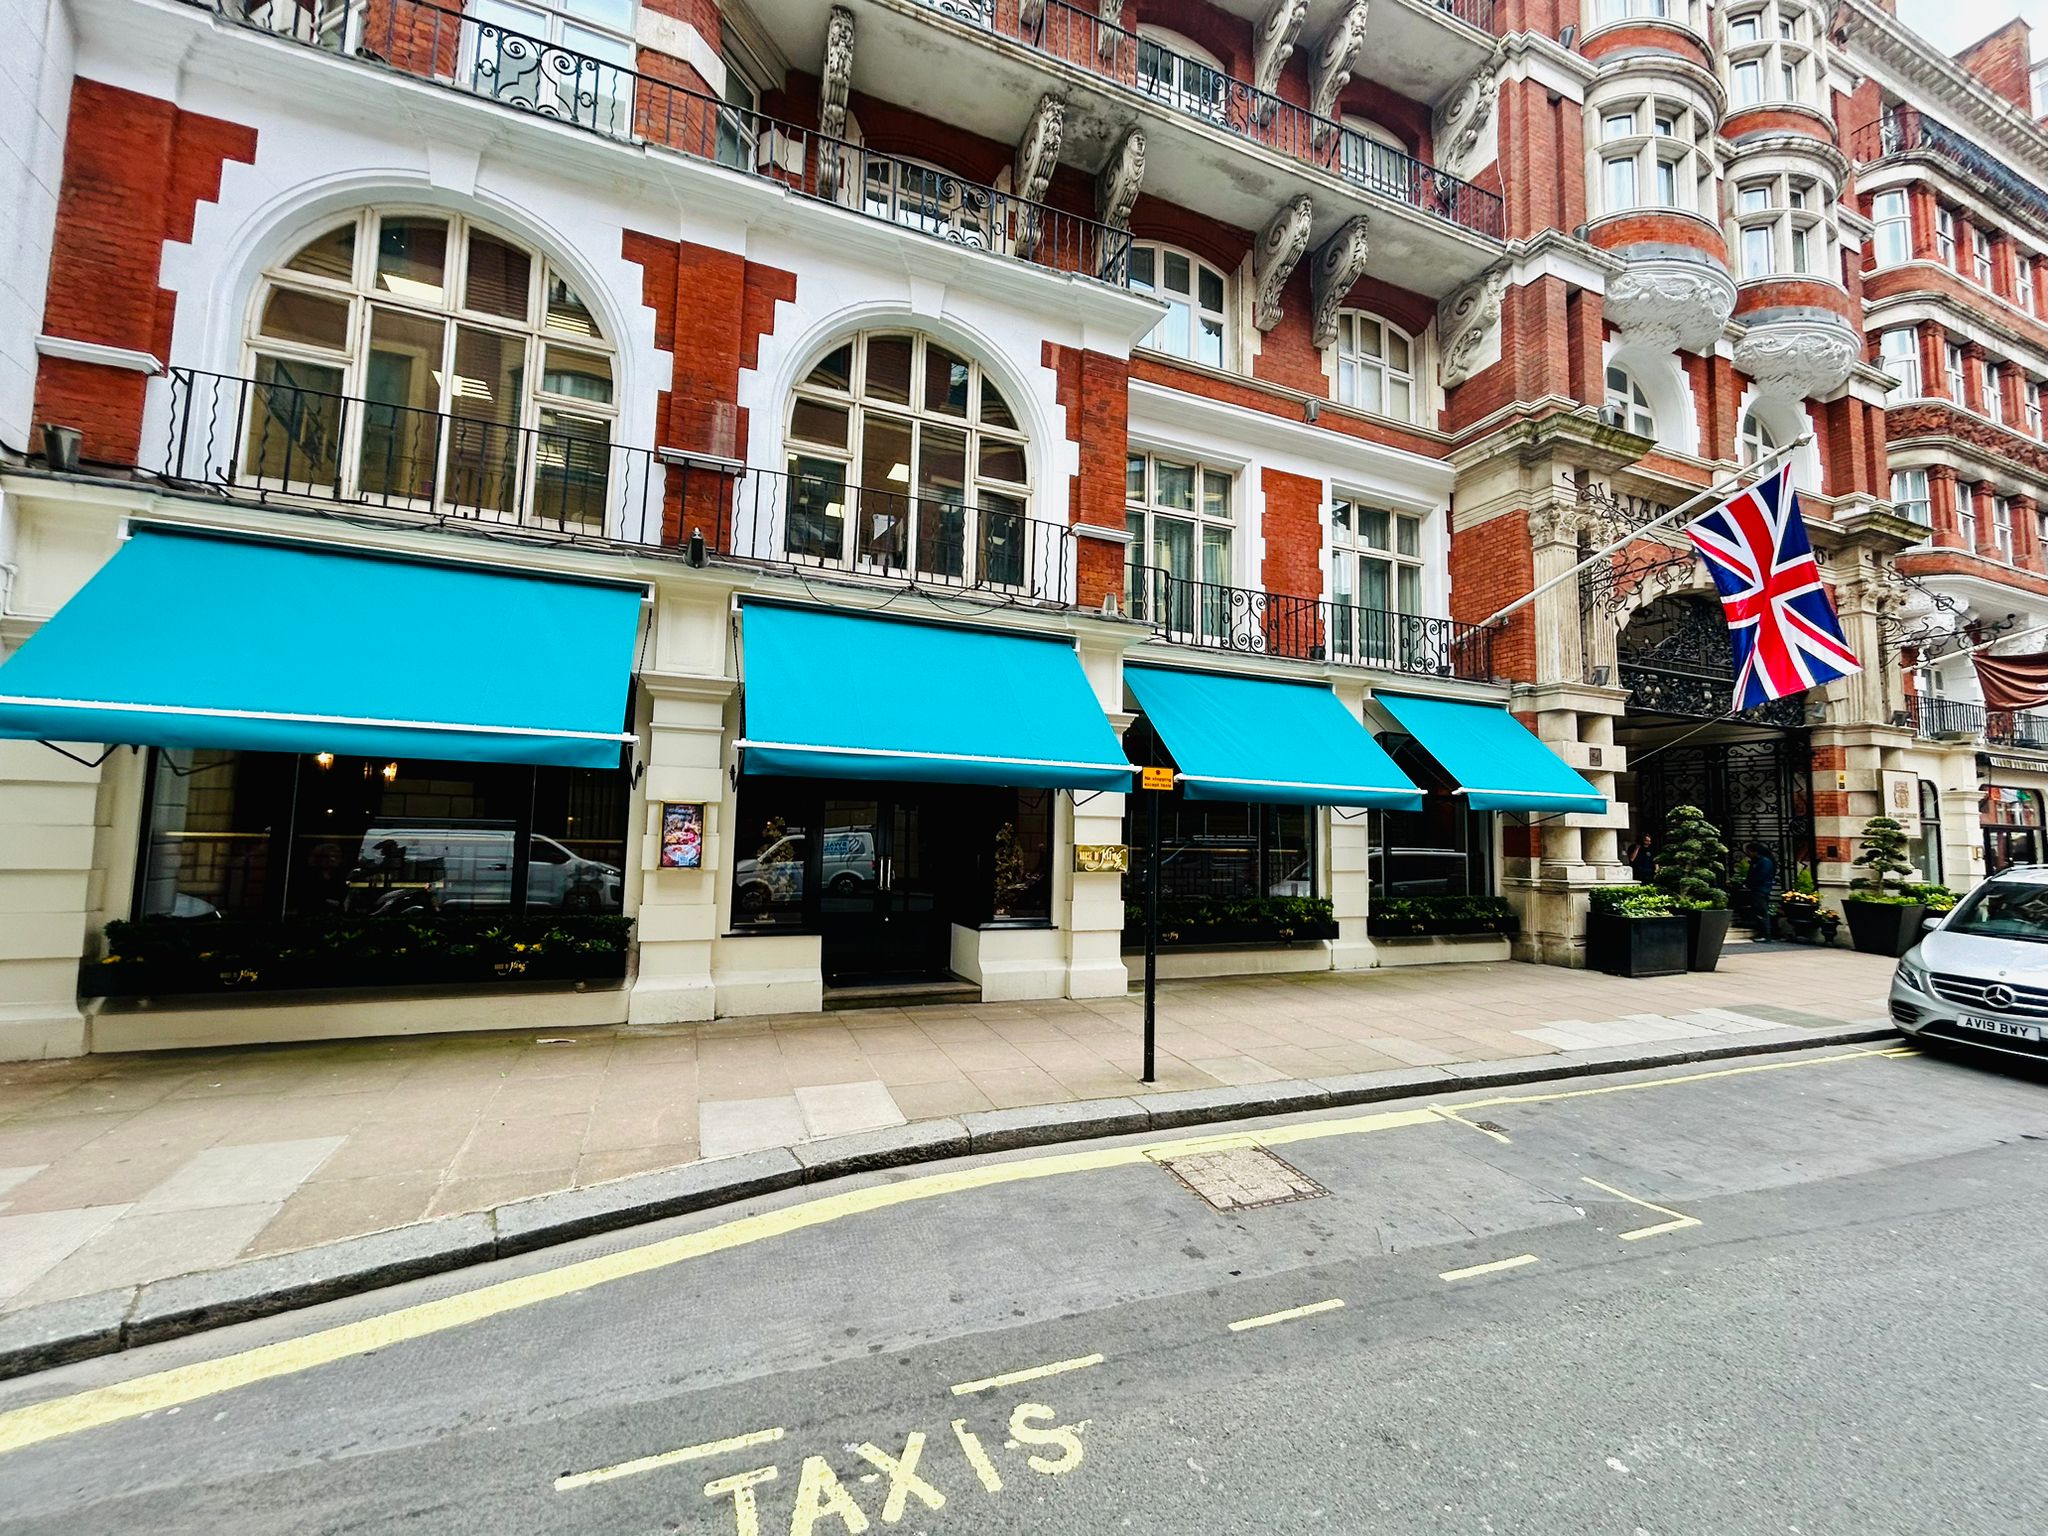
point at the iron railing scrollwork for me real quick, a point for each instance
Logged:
(1907, 130)
(1933, 716)
(1675, 658)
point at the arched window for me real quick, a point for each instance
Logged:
(924, 444)
(1627, 406)
(1181, 73)
(1375, 365)
(419, 360)
(1373, 157)
(1755, 438)
(1195, 293)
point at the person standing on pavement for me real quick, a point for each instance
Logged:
(1760, 877)
(1642, 859)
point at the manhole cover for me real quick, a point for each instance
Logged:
(1242, 1178)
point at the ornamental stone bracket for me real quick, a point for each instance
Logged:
(1038, 155)
(1333, 65)
(1796, 359)
(1339, 264)
(1280, 250)
(1669, 303)
(1116, 190)
(1468, 326)
(1461, 122)
(1275, 46)
(835, 82)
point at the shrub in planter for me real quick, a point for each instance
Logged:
(1936, 898)
(164, 956)
(1883, 919)
(1689, 871)
(1634, 930)
(1245, 920)
(1397, 917)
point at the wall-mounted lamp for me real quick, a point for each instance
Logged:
(1601, 674)
(696, 554)
(391, 773)
(1568, 36)
(1311, 409)
(324, 759)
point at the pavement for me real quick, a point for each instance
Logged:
(119, 1171)
(1792, 1293)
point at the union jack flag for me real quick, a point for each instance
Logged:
(1780, 621)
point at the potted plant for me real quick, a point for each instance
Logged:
(1801, 908)
(1688, 872)
(1883, 919)
(1633, 930)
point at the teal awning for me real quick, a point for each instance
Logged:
(1277, 743)
(1497, 762)
(849, 696)
(188, 638)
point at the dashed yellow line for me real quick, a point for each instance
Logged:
(1287, 1316)
(1476, 1270)
(1033, 1373)
(668, 1459)
(160, 1390)
(1678, 1223)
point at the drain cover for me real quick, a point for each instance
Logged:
(1242, 1178)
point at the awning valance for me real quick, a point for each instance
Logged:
(1495, 760)
(853, 696)
(191, 638)
(1278, 743)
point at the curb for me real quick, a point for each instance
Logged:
(83, 1327)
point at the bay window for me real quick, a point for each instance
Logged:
(1910, 496)
(1771, 50)
(1650, 155)
(1781, 228)
(1898, 354)
(1893, 238)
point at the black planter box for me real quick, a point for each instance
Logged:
(1636, 946)
(1883, 927)
(1705, 932)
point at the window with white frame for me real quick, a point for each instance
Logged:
(1627, 406)
(903, 455)
(1945, 236)
(1375, 365)
(588, 82)
(1771, 53)
(1651, 155)
(1966, 514)
(739, 122)
(1980, 257)
(1781, 227)
(1195, 325)
(2023, 283)
(1622, 10)
(418, 359)
(1180, 515)
(1957, 369)
(1893, 237)
(2032, 396)
(2001, 527)
(1994, 392)
(1755, 438)
(925, 197)
(1898, 354)
(1909, 495)
(1183, 74)
(1375, 582)
(1372, 156)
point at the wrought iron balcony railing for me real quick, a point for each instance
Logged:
(1220, 618)
(271, 439)
(1932, 716)
(530, 74)
(1907, 130)
(1083, 40)
(2016, 728)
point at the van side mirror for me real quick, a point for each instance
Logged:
(1930, 924)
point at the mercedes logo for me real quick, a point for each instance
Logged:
(1998, 995)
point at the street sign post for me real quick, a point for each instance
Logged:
(1153, 782)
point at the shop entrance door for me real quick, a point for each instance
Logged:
(879, 909)
(2007, 846)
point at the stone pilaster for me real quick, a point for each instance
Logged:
(48, 823)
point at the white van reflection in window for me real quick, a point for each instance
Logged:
(469, 867)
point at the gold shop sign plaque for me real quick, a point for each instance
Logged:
(1101, 859)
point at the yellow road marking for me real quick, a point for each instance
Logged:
(1678, 1223)
(1287, 1316)
(1489, 1269)
(1011, 1378)
(1900, 1050)
(667, 1459)
(1471, 1125)
(49, 1420)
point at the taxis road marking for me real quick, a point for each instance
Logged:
(640, 1464)
(1678, 1223)
(1011, 1378)
(1287, 1316)
(1476, 1270)
(159, 1390)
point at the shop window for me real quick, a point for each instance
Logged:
(2012, 826)
(1195, 324)
(1375, 365)
(258, 835)
(928, 451)
(1180, 514)
(1218, 850)
(1444, 849)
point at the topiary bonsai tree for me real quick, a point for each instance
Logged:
(1884, 855)
(1689, 868)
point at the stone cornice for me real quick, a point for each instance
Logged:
(1952, 432)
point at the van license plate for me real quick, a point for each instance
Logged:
(2000, 1027)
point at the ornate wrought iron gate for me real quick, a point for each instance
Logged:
(1754, 791)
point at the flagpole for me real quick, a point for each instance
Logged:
(1985, 645)
(1719, 491)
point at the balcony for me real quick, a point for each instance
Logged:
(1216, 145)
(1906, 132)
(2016, 728)
(1249, 622)
(273, 442)
(1940, 719)
(526, 74)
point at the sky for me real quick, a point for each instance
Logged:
(1954, 24)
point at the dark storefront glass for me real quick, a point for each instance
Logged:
(1217, 850)
(265, 835)
(1444, 849)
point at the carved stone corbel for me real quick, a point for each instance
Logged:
(1339, 264)
(1332, 72)
(1466, 320)
(1280, 250)
(1038, 155)
(835, 82)
(1462, 120)
(1275, 46)
(1116, 190)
